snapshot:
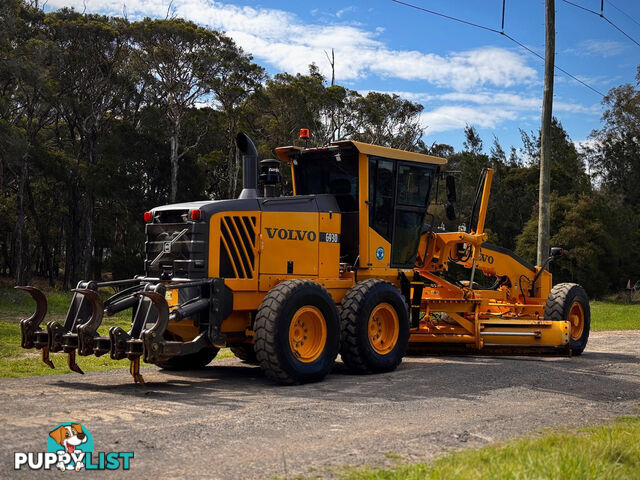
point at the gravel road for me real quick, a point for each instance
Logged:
(227, 421)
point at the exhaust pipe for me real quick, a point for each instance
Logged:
(249, 166)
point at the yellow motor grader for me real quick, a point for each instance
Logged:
(351, 264)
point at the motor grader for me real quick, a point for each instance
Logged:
(352, 263)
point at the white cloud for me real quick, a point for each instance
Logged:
(342, 12)
(282, 40)
(600, 48)
(453, 110)
(453, 117)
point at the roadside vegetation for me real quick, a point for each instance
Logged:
(606, 452)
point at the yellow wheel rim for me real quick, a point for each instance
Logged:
(383, 328)
(307, 334)
(576, 320)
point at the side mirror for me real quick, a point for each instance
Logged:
(450, 211)
(451, 189)
(557, 251)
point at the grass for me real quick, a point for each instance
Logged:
(607, 452)
(606, 315)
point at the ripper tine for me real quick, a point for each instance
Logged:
(71, 361)
(154, 336)
(88, 331)
(134, 370)
(45, 357)
(29, 326)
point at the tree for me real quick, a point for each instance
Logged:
(568, 166)
(592, 234)
(385, 119)
(237, 79)
(615, 155)
(182, 63)
(26, 63)
(472, 142)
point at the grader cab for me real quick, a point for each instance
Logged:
(351, 264)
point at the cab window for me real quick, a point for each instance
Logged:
(331, 170)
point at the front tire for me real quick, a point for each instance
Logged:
(245, 352)
(375, 327)
(297, 332)
(192, 361)
(569, 301)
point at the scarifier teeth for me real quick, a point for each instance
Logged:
(45, 357)
(71, 361)
(134, 370)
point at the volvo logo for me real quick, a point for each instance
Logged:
(291, 234)
(486, 258)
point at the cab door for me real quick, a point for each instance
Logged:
(413, 186)
(398, 199)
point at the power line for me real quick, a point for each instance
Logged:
(601, 15)
(447, 16)
(555, 66)
(624, 13)
(509, 37)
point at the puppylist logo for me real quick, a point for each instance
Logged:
(70, 447)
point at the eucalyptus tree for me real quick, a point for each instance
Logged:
(385, 119)
(237, 80)
(615, 148)
(182, 63)
(92, 52)
(25, 109)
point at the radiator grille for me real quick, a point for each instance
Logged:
(238, 246)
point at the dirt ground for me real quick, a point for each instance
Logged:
(227, 421)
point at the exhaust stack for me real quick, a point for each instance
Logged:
(249, 166)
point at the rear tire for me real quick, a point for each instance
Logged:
(192, 361)
(245, 352)
(375, 327)
(297, 332)
(569, 301)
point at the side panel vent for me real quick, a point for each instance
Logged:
(238, 246)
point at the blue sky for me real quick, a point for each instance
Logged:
(462, 75)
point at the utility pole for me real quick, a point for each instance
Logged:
(544, 204)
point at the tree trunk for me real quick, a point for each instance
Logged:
(88, 211)
(19, 276)
(174, 162)
(71, 248)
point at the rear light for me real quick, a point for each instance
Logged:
(148, 216)
(304, 133)
(194, 214)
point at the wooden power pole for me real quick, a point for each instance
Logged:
(544, 204)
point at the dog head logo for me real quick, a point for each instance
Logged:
(73, 440)
(69, 436)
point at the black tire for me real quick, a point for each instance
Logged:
(245, 352)
(192, 361)
(272, 330)
(356, 348)
(560, 301)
